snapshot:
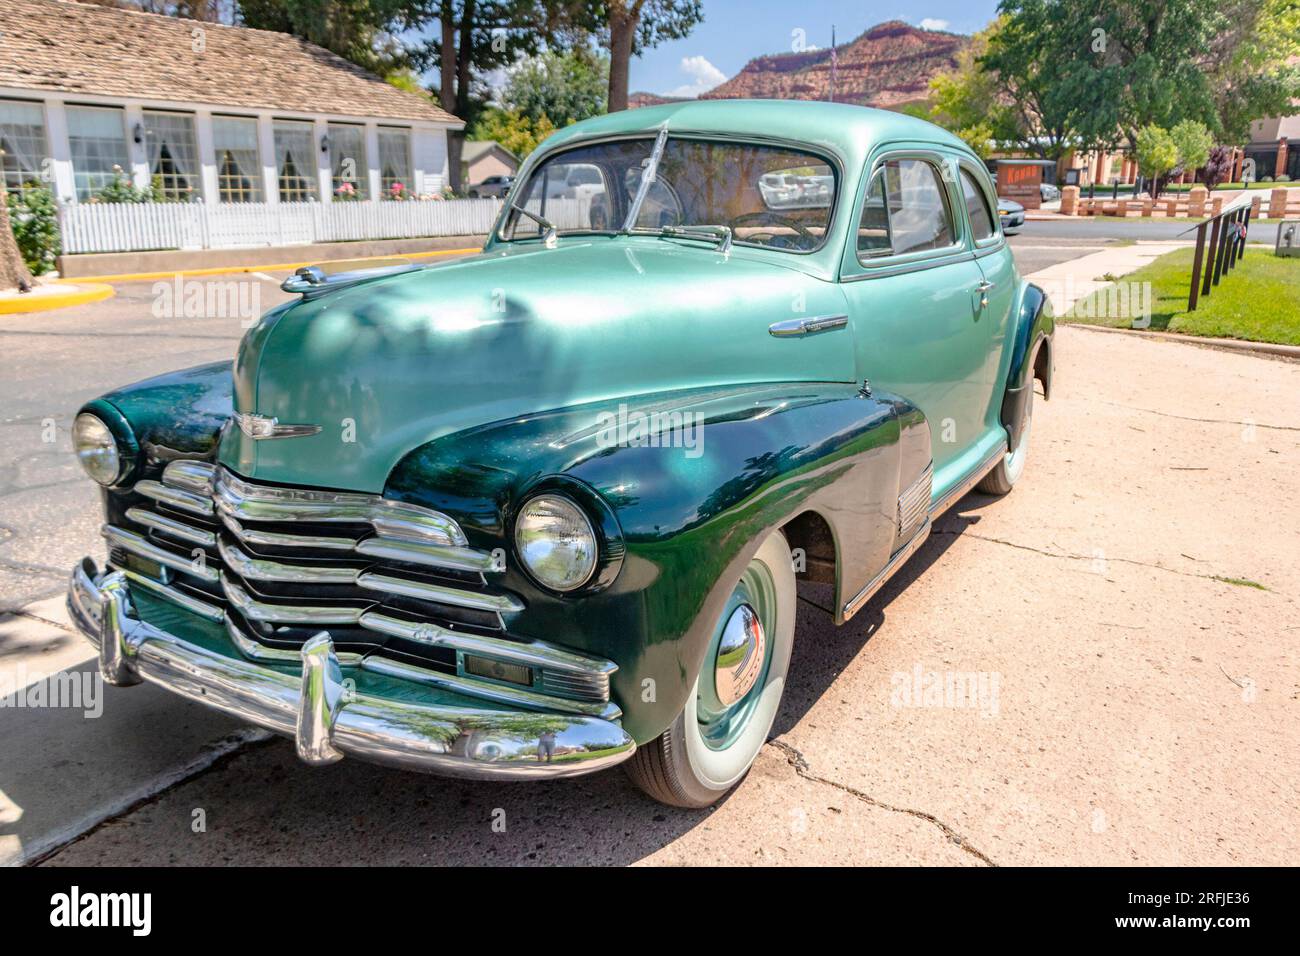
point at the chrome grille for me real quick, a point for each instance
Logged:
(397, 585)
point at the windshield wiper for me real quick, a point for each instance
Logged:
(721, 233)
(647, 178)
(551, 234)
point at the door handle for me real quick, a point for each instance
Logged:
(983, 289)
(823, 323)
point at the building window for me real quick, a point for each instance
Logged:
(395, 164)
(173, 155)
(348, 161)
(239, 168)
(97, 138)
(22, 143)
(295, 161)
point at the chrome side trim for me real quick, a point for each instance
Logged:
(474, 742)
(256, 610)
(797, 327)
(176, 497)
(532, 654)
(245, 501)
(895, 562)
(130, 541)
(262, 427)
(172, 527)
(500, 603)
(970, 481)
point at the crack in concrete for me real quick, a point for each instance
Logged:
(19, 612)
(32, 569)
(800, 764)
(1069, 556)
(1206, 421)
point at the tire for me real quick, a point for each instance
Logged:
(473, 194)
(710, 747)
(1003, 478)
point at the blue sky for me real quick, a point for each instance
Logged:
(735, 31)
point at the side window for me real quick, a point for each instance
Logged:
(906, 211)
(977, 207)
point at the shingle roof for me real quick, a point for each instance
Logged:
(78, 48)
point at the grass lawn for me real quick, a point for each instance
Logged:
(1259, 300)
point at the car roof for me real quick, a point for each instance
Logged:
(847, 130)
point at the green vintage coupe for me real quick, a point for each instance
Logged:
(544, 510)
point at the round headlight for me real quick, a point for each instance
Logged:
(556, 543)
(96, 449)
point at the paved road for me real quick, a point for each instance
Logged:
(1139, 707)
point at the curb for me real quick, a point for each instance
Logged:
(79, 293)
(233, 270)
(1273, 350)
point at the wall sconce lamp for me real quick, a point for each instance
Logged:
(137, 133)
(324, 142)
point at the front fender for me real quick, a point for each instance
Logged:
(690, 511)
(176, 415)
(1031, 358)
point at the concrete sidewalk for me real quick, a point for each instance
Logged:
(1068, 282)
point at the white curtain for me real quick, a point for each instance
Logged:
(22, 129)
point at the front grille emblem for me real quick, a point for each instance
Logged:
(259, 427)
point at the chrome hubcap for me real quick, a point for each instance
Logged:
(741, 651)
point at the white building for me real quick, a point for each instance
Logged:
(203, 112)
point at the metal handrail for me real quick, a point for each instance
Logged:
(1224, 252)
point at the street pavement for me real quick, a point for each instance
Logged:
(1130, 609)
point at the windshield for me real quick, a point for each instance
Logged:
(770, 196)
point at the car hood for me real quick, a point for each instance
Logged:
(387, 365)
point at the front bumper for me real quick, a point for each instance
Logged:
(329, 715)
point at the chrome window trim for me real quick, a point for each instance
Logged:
(941, 162)
(982, 246)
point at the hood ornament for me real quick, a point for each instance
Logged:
(258, 427)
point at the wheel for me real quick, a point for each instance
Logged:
(473, 194)
(1003, 478)
(715, 739)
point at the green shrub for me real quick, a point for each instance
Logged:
(1284, 178)
(121, 189)
(1265, 179)
(33, 216)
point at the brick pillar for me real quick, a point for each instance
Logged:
(1279, 168)
(1277, 203)
(1238, 160)
(1100, 169)
(1196, 201)
(1070, 201)
(1255, 203)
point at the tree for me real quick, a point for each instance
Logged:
(967, 100)
(13, 270)
(1157, 153)
(628, 27)
(477, 36)
(518, 133)
(1193, 142)
(361, 31)
(1219, 166)
(1253, 64)
(562, 87)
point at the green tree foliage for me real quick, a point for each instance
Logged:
(1193, 142)
(518, 133)
(1091, 73)
(968, 101)
(361, 31)
(562, 87)
(1157, 153)
(33, 216)
(629, 27)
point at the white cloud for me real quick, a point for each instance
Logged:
(933, 23)
(704, 76)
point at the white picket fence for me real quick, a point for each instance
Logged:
(137, 227)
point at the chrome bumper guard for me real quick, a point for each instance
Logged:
(324, 714)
